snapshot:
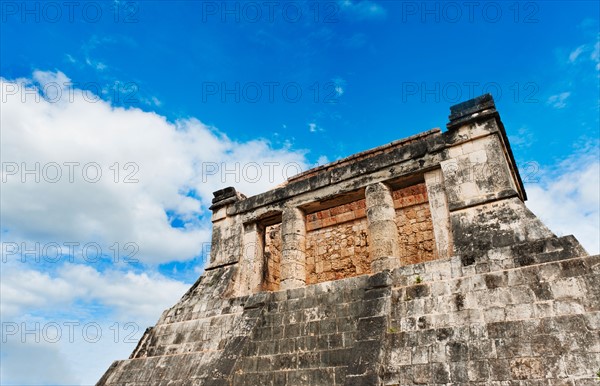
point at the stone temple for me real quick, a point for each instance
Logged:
(416, 262)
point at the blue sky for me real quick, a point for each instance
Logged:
(178, 92)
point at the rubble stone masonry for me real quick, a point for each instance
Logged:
(338, 251)
(415, 225)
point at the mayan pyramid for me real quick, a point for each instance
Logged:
(416, 262)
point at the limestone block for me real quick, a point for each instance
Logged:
(494, 225)
(386, 262)
(480, 174)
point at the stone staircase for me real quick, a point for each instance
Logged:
(525, 315)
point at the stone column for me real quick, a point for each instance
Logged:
(440, 215)
(293, 254)
(384, 246)
(227, 229)
(252, 262)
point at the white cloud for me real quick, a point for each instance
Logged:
(177, 165)
(363, 9)
(120, 304)
(313, 127)
(156, 101)
(25, 362)
(23, 290)
(576, 52)
(559, 101)
(94, 42)
(339, 86)
(567, 199)
(63, 351)
(585, 53)
(169, 160)
(129, 296)
(595, 55)
(323, 160)
(523, 138)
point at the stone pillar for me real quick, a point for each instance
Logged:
(252, 262)
(227, 230)
(384, 246)
(293, 254)
(440, 216)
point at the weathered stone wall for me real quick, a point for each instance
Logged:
(533, 324)
(415, 226)
(338, 251)
(189, 339)
(337, 243)
(337, 238)
(533, 318)
(305, 337)
(272, 256)
(336, 215)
